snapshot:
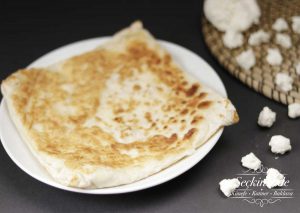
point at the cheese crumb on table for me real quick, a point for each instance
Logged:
(294, 110)
(246, 59)
(227, 186)
(296, 24)
(297, 68)
(259, 37)
(274, 56)
(280, 25)
(233, 39)
(283, 40)
(232, 14)
(250, 161)
(266, 117)
(283, 81)
(280, 144)
(274, 178)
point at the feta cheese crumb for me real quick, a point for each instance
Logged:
(280, 25)
(283, 40)
(274, 56)
(280, 144)
(259, 37)
(296, 24)
(233, 39)
(227, 186)
(274, 178)
(297, 67)
(246, 59)
(284, 82)
(250, 161)
(266, 117)
(294, 110)
(232, 14)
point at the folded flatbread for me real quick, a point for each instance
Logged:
(114, 115)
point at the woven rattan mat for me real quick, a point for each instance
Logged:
(261, 76)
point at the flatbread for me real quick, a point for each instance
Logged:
(114, 115)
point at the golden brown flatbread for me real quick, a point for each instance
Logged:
(114, 115)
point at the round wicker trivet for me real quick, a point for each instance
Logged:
(261, 76)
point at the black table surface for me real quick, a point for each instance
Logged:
(29, 29)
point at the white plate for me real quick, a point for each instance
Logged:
(22, 156)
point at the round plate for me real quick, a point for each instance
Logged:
(21, 155)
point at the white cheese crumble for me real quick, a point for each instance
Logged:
(259, 37)
(280, 25)
(274, 56)
(266, 117)
(280, 144)
(233, 15)
(296, 24)
(233, 39)
(246, 59)
(283, 40)
(284, 82)
(227, 186)
(274, 178)
(297, 68)
(250, 161)
(294, 110)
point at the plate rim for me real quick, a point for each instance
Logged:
(114, 190)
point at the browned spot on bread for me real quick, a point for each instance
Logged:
(173, 138)
(189, 134)
(138, 50)
(196, 119)
(204, 104)
(118, 110)
(167, 59)
(118, 119)
(184, 112)
(202, 95)
(191, 91)
(136, 87)
(184, 83)
(193, 103)
(168, 72)
(148, 116)
(160, 89)
(193, 112)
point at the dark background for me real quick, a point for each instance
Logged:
(29, 29)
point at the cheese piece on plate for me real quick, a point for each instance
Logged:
(280, 25)
(274, 178)
(232, 15)
(258, 38)
(274, 56)
(250, 161)
(296, 24)
(266, 117)
(232, 39)
(114, 115)
(294, 110)
(297, 68)
(283, 40)
(283, 81)
(228, 186)
(280, 144)
(246, 59)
